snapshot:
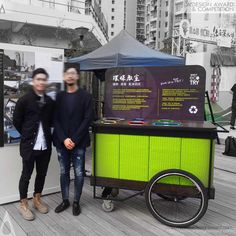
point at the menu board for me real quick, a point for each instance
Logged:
(156, 93)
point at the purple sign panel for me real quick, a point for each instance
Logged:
(156, 93)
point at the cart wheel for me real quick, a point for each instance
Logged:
(176, 185)
(115, 192)
(108, 205)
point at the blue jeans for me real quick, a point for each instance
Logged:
(77, 158)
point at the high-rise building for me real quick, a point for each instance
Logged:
(159, 22)
(135, 18)
(113, 11)
(125, 14)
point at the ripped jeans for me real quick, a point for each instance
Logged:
(77, 158)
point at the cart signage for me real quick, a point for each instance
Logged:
(156, 92)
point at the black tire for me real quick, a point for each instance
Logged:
(165, 210)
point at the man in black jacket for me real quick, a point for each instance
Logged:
(33, 118)
(73, 115)
(233, 108)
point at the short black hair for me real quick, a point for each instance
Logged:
(39, 71)
(72, 65)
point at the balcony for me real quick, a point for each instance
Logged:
(141, 2)
(154, 16)
(153, 8)
(140, 8)
(140, 19)
(153, 2)
(153, 29)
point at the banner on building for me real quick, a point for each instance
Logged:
(223, 37)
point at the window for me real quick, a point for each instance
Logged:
(167, 3)
(113, 2)
(112, 17)
(112, 33)
(159, 34)
(52, 3)
(166, 13)
(113, 9)
(166, 24)
(206, 16)
(112, 25)
(166, 34)
(179, 7)
(159, 24)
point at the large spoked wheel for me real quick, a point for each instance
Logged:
(187, 199)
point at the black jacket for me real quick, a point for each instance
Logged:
(27, 115)
(76, 125)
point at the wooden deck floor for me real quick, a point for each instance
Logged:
(130, 217)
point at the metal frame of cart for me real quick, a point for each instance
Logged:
(176, 196)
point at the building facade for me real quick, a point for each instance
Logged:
(59, 24)
(125, 14)
(159, 22)
(114, 12)
(135, 18)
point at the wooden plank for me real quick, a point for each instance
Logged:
(132, 217)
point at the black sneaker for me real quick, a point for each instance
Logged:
(232, 127)
(76, 209)
(63, 206)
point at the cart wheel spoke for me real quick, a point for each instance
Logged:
(176, 198)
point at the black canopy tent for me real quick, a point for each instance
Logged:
(124, 51)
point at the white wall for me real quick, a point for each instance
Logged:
(202, 59)
(10, 160)
(10, 171)
(228, 77)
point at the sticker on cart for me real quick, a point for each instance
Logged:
(193, 110)
(137, 121)
(111, 120)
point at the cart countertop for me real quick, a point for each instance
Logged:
(198, 129)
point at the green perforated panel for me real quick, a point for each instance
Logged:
(164, 154)
(134, 152)
(107, 155)
(195, 158)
